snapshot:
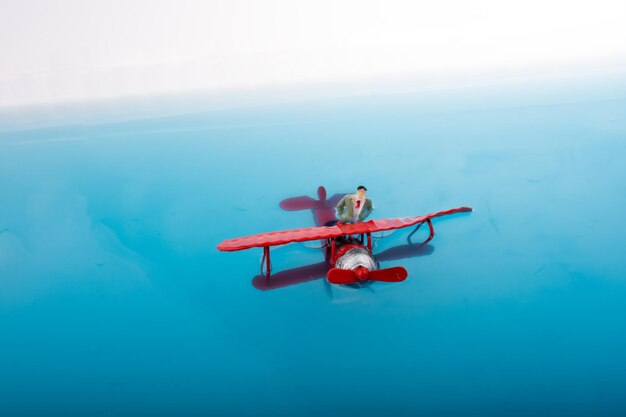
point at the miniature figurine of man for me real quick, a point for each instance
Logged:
(354, 208)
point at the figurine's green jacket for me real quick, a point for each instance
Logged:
(345, 208)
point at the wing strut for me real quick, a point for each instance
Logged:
(266, 260)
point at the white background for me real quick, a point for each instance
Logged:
(64, 50)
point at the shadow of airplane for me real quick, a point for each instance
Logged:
(323, 210)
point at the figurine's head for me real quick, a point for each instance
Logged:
(360, 191)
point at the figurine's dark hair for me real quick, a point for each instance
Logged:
(361, 187)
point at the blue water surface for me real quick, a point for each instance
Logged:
(115, 301)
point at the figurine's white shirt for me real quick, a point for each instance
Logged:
(358, 206)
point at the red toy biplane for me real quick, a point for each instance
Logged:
(348, 247)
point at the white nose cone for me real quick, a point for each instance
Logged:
(354, 258)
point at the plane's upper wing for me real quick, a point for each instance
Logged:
(325, 232)
(280, 238)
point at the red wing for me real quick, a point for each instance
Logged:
(325, 232)
(397, 223)
(280, 238)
